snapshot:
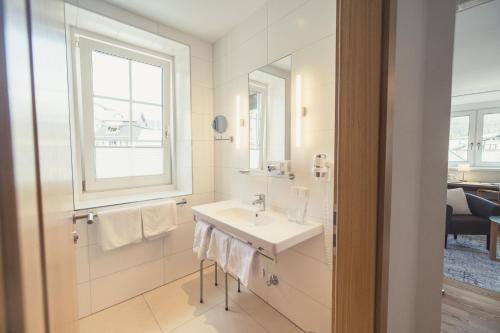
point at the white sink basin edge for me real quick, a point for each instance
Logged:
(268, 230)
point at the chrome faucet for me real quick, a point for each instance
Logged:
(261, 200)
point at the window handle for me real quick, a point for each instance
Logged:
(478, 146)
(471, 146)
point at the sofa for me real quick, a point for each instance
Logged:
(476, 224)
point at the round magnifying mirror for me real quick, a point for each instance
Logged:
(219, 124)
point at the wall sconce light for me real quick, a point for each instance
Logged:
(239, 122)
(300, 110)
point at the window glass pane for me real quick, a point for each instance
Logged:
(490, 143)
(146, 83)
(128, 120)
(111, 123)
(459, 139)
(110, 75)
(128, 162)
(147, 125)
(148, 161)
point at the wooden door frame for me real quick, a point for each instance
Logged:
(363, 117)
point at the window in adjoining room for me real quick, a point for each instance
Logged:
(475, 138)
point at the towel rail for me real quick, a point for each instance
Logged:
(260, 250)
(90, 216)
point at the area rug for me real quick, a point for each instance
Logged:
(467, 260)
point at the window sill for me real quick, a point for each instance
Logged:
(128, 199)
(472, 169)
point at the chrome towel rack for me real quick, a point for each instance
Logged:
(90, 216)
(259, 251)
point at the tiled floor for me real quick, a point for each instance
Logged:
(175, 308)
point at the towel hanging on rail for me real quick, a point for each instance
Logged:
(202, 233)
(242, 260)
(159, 219)
(218, 248)
(118, 228)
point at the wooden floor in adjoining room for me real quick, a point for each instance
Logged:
(469, 309)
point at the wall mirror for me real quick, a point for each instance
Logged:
(269, 117)
(219, 124)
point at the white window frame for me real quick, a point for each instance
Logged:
(479, 138)
(83, 43)
(261, 88)
(472, 131)
(474, 150)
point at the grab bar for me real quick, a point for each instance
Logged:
(90, 216)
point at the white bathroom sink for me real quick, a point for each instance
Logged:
(246, 216)
(268, 230)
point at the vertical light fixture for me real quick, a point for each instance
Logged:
(298, 110)
(238, 122)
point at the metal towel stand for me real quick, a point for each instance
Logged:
(216, 284)
(259, 251)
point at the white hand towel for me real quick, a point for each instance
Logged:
(118, 228)
(159, 219)
(201, 238)
(218, 248)
(241, 262)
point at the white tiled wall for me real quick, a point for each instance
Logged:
(107, 278)
(306, 30)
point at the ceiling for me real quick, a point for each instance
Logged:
(476, 59)
(206, 19)
(466, 4)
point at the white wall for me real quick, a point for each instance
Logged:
(306, 30)
(418, 150)
(107, 278)
(476, 59)
(476, 67)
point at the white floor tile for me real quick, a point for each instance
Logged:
(178, 302)
(261, 312)
(176, 308)
(218, 320)
(132, 316)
